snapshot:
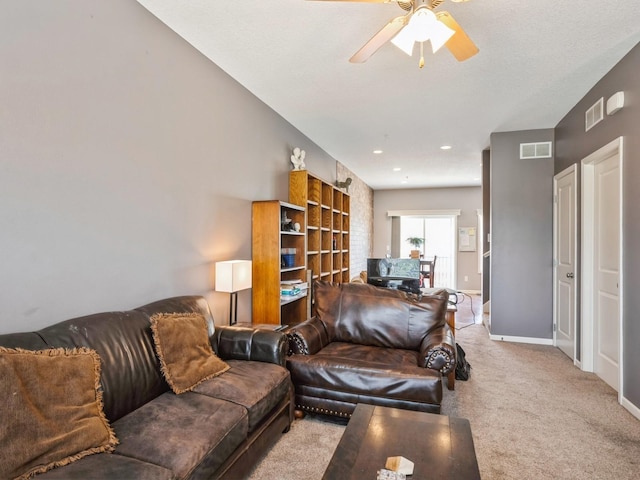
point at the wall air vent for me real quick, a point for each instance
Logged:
(594, 115)
(535, 150)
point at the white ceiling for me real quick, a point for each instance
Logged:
(537, 60)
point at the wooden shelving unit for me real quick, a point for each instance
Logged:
(327, 225)
(268, 240)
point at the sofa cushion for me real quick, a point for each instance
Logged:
(185, 352)
(369, 315)
(51, 410)
(26, 340)
(379, 372)
(130, 368)
(109, 467)
(189, 434)
(257, 386)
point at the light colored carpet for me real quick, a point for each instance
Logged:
(533, 415)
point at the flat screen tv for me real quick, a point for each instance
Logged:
(394, 268)
(398, 273)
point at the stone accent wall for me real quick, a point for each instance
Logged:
(361, 216)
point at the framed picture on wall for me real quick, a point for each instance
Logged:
(467, 239)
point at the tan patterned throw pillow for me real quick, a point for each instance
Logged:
(186, 356)
(51, 410)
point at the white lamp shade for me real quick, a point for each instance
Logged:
(233, 275)
(421, 23)
(440, 34)
(404, 40)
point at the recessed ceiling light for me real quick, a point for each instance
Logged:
(377, 152)
(396, 169)
(445, 147)
(404, 181)
(476, 179)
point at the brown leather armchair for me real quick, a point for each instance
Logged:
(371, 345)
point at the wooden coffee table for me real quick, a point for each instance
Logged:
(441, 447)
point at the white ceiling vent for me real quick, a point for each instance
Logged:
(535, 150)
(594, 115)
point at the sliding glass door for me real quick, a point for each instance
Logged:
(439, 234)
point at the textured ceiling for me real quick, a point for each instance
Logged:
(537, 60)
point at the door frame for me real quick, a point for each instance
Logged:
(588, 245)
(573, 171)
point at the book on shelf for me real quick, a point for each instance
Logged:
(289, 292)
(285, 287)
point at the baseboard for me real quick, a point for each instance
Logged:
(533, 340)
(635, 411)
(471, 292)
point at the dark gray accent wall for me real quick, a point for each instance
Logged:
(128, 163)
(572, 145)
(486, 225)
(521, 237)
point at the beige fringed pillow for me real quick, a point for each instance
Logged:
(51, 410)
(184, 350)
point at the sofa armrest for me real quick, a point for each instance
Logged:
(438, 350)
(245, 343)
(308, 337)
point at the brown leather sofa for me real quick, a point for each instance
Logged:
(371, 345)
(220, 433)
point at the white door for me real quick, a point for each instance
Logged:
(565, 260)
(606, 263)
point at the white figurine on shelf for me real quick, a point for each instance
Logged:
(298, 159)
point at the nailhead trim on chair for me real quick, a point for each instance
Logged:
(302, 347)
(438, 354)
(323, 411)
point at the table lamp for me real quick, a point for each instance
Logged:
(233, 276)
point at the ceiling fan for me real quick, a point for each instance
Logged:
(418, 25)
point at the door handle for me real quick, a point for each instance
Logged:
(570, 275)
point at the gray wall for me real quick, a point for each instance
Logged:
(128, 163)
(467, 199)
(521, 237)
(572, 145)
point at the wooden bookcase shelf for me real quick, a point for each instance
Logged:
(269, 269)
(327, 225)
(321, 246)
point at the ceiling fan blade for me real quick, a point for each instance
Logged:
(385, 34)
(362, 1)
(460, 45)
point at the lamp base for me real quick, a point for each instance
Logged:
(233, 308)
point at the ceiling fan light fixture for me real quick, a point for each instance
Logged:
(440, 34)
(422, 23)
(404, 40)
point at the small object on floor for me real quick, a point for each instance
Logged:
(463, 367)
(384, 474)
(400, 465)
